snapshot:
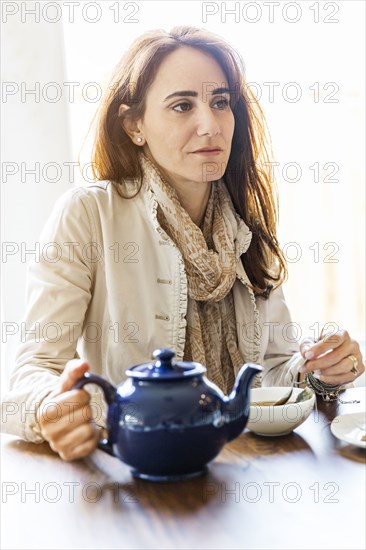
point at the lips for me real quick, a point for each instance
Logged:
(208, 150)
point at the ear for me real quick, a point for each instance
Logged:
(131, 126)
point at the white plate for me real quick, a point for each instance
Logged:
(348, 427)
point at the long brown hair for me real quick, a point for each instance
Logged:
(247, 175)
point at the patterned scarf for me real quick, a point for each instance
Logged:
(210, 255)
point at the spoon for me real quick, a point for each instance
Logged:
(282, 401)
(305, 394)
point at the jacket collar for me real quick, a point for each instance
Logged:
(151, 174)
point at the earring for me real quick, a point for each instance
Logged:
(139, 140)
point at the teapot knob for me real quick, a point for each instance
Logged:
(163, 357)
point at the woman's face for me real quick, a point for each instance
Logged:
(187, 110)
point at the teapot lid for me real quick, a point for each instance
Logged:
(164, 369)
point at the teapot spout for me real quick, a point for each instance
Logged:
(235, 407)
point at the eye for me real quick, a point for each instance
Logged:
(221, 103)
(182, 107)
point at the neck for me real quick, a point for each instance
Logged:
(194, 198)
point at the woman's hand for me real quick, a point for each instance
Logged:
(335, 359)
(65, 417)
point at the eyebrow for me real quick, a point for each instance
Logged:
(190, 93)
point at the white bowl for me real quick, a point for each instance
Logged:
(279, 420)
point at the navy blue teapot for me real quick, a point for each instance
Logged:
(167, 421)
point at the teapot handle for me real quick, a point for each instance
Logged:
(109, 393)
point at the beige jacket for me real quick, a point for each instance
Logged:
(110, 286)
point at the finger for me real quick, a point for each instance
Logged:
(334, 357)
(54, 428)
(342, 367)
(336, 379)
(64, 405)
(82, 450)
(306, 344)
(329, 342)
(73, 371)
(70, 399)
(78, 436)
(342, 372)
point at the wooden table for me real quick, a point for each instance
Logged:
(300, 491)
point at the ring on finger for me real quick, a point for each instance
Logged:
(354, 360)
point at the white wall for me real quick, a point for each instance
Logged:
(33, 130)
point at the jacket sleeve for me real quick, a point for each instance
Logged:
(281, 356)
(58, 293)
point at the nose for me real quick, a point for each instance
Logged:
(207, 123)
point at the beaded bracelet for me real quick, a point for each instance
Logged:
(328, 392)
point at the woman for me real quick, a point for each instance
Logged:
(174, 245)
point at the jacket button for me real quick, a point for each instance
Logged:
(162, 317)
(164, 281)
